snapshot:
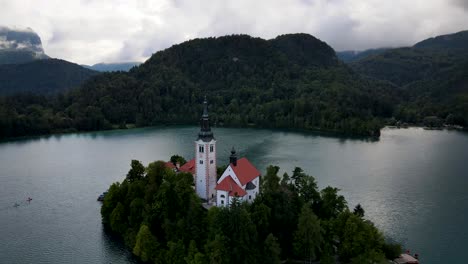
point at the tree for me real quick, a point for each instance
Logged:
(217, 250)
(391, 250)
(155, 172)
(359, 239)
(308, 190)
(178, 159)
(161, 219)
(331, 203)
(136, 172)
(194, 256)
(146, 245)
(110, 202)
(358, 210)
(308, 236)
(175, 253)
(118, 219)
(272, 250)
(261, 214)
(270, 182)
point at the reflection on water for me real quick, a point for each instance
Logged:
(411, 183)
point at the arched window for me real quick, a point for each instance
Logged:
(222, 196)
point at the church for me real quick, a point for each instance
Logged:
(240, 180)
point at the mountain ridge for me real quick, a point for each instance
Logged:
(293, 81)
(45, 76)
(20, 46)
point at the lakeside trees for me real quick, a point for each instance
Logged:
(292, 81)
(161, 220)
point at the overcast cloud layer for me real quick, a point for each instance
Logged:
(92, 31)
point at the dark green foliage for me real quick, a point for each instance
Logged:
(392, 250)
(331, 204)
(292, 81)
(351, 56)
(358, 210)
(308, 237)
(161, 220)
(272, 250)
(146, 244)
(42, 77)
(16, 56)
(431, 78)
(178, 159)
(456, 41)
(136, 172)
(359, 239)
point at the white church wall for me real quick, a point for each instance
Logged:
(229, 172)
(222, 198)
(211, 164)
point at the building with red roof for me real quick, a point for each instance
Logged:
(188, 167)
(240, 180)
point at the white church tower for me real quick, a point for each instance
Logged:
(205, 159)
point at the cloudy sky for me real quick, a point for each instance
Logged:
(91, 31)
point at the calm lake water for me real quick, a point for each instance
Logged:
(412, 183)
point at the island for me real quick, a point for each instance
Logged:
(175, 212)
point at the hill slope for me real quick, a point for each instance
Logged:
(292, 81)
(457, 42)
(433, 74)
(352, 55)
(42, 77)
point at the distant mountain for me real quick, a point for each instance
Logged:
(354, 55)
(292, 81)
(19, 46)
(110, 67)
(456, 42)
(42, 77)
(433, 74)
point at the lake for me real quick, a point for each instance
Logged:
(412, 184)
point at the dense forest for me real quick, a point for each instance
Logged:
(292, 81)
(432, 76)
(161, 220)
(46, 76)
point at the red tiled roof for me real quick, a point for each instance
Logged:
(230, 186)
(188, 167)
(170, 165)
(245, 171)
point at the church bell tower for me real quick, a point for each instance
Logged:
(205, 158)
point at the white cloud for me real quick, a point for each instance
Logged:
(91, 31)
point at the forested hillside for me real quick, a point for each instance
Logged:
(433, 76)
(45, 76)
(292, 81)
(351, 55)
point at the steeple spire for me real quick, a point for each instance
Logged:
(233, 157)
(205, 133)
(205, 108)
